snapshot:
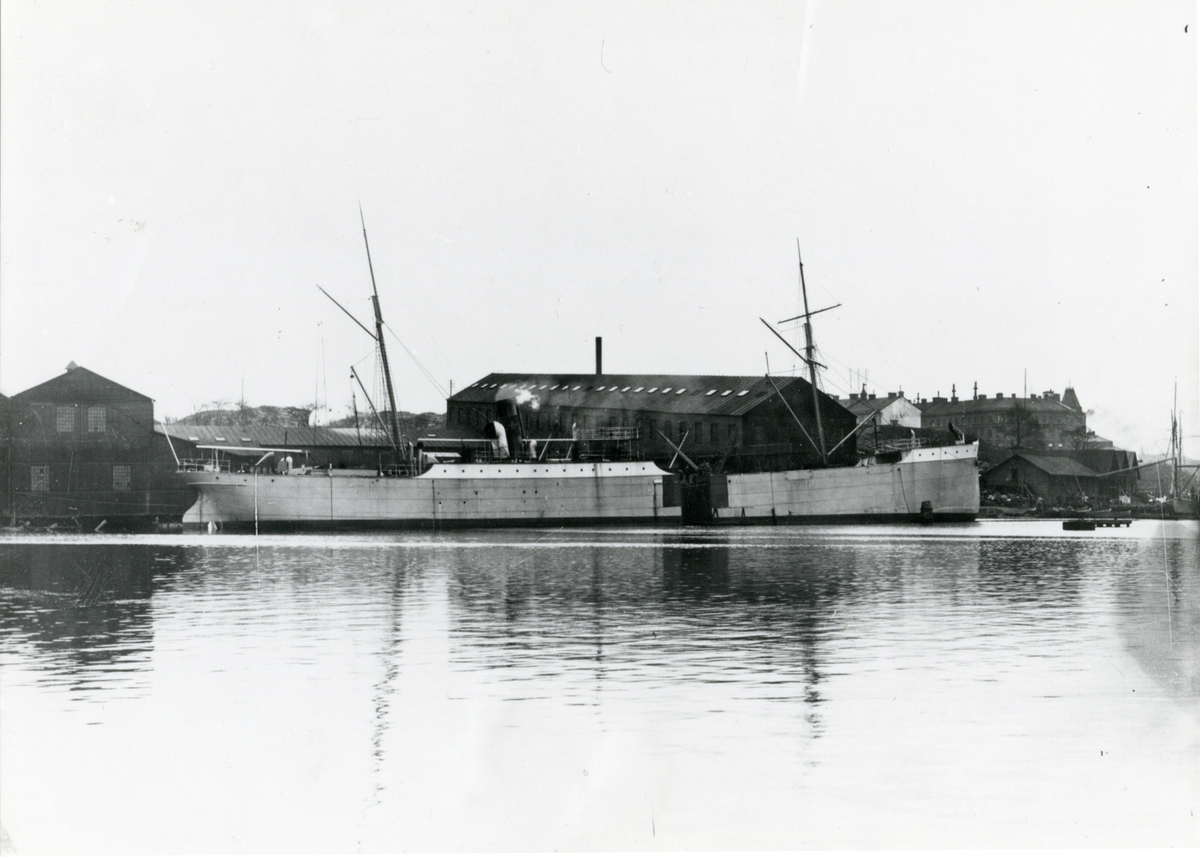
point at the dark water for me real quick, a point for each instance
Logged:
(997, 684)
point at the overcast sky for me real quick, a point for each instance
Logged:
(990, 189)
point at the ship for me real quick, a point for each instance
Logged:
(579, 476)
(901, 480)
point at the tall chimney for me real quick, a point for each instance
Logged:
(599, 370)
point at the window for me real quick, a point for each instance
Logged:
(97, 418)
(683, 427)
(732, 431)
(64, 419)
(122, 475)
(39, 478)
(652, 428)
(714, 433)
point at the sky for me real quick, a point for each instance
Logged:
(997, 193)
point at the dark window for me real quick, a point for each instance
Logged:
(714, 433)
(683, 427)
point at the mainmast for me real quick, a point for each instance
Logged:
(809, 349)
(387, 371)
(1176, 443)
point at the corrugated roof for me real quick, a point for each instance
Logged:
(1053, 465)
(272, 436)
(728, 395)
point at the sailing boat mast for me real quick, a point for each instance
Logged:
(808, 351)
(387, 371)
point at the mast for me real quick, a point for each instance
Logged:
(387, 371)
(1176, 443)
(808, 351)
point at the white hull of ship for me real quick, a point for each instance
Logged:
(932, 484)
(446, 496)
(938, 483)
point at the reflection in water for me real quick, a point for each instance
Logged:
(1158, 612)
(84, 609)
(780, 685)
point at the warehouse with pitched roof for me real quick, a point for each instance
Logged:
(733, 422)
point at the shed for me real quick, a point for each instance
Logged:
(1057, 479)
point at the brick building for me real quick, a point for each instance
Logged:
(1003, 424)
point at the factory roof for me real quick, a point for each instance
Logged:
(724, 395)
(233, 436)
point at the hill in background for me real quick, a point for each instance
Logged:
(288, 417)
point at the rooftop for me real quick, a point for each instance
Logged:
(272, 436)
(728, 395)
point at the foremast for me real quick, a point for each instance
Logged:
(387, 371)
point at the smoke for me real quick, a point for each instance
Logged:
(524, 397)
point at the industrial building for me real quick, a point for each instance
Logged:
(308, 446)
(80, 450)
(734, 423)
